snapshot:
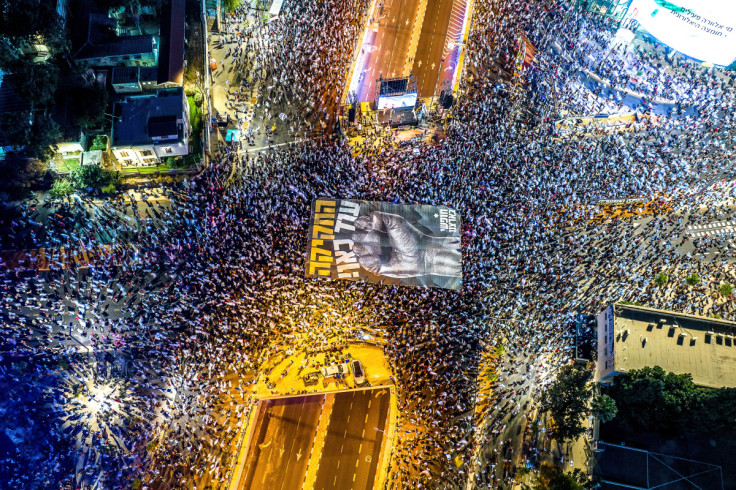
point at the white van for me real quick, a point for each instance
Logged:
(358, 373)
(331, 371)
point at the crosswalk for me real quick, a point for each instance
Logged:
(714, 228)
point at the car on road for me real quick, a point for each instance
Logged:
(358, 373)
(330, 371)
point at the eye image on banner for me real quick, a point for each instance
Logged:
(409, 244)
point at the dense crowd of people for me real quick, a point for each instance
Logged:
(139, 366)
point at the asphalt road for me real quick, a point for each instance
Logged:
(432, 43)
(352, 447)
(386, 49)
(279, 453)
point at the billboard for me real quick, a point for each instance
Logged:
(409, 244)
(397, 101)
(702, 29)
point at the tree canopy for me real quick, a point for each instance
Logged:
(650, 399)
(604, 407)
(553, 478)
(566, 401)
(39, 23)
(36, 81)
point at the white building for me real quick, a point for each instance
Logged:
(149, 128)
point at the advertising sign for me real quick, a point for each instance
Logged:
(413, 245)
(702, 29)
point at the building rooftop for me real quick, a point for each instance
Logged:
(117, 47)
(171, 54)
(125, 74)
(140, 117)
(677, 342)
(149, 73)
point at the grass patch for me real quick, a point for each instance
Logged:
(68, 164)
(162, 167)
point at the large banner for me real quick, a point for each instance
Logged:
(703, 29)
(414, 245)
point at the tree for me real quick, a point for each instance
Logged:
(566, 401)
(16, 129)
(35, 140)
(649, 399)
(726, 289)
(35, 82)
(553, 478)
(693, 279)
(231, 5)
(62, 188)
(45, 134)
(99, 143)
(36, 24)
(92, 176)
(661, 279)
(604, 407)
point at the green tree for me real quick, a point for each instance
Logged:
(693, 279)
(93, 176)
(604, 407)
(34, 82)
(99, 143)
(726, 289)
(35, 140)
(16, 129)
(62, 188)
(45, 134)
(39, 23)
(231, 5)
(566, 401)
(649, 399)
(661, 279)
(553, 478)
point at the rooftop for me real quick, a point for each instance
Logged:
(125, 74)
(677, 342)
(171, 55)
(140, 117)
(117, 47)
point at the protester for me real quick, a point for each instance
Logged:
(137, 366)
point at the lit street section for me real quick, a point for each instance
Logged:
(326, 440)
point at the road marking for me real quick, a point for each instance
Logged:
(343, 445)
(366, 419)
(360, 448)
(356, 462)
(363, 434)
(338, 463)
(354, 475)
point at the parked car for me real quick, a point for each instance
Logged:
(311, 378)
(330, 371)
(358, 373)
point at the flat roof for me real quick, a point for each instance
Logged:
(677, 342)
(171, 54)
(135, 113)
